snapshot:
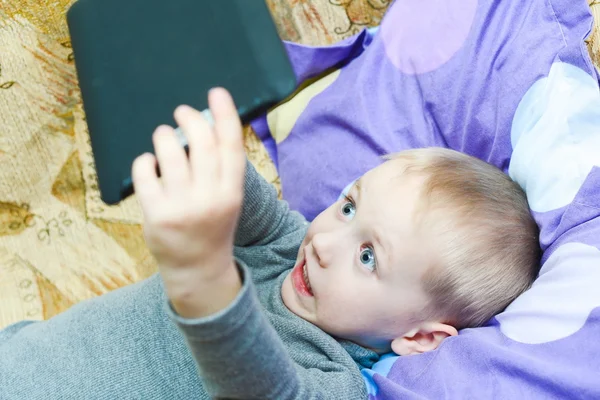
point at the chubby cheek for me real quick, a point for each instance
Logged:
(340, 309)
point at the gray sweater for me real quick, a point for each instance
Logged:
(129, 344)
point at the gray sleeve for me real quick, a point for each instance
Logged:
(240, 356)
(264, 218)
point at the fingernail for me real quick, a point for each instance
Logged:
(214, 90)
(162, 129)
(184, 108)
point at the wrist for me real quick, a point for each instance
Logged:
(195, 272)
(194, 293)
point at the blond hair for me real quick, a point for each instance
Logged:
(486, 241)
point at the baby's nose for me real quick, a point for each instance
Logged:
(322, 249)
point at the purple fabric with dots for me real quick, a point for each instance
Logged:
(453, 73)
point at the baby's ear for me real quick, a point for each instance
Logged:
(426, 337)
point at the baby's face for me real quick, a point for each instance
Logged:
(359, 268)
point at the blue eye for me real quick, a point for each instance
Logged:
(348, 209)
(367, 258)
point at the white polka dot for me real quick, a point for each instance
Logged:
(556, 137)
(560, 300)
(421, 36)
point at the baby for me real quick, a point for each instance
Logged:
(265, 306)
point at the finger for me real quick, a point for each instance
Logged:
(172, 160)
(146, 184)
(228, 128)
(201, 142)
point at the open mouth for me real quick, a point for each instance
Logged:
(301, 280)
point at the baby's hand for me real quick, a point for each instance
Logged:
(191, 212)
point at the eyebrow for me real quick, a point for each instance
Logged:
(358, 187)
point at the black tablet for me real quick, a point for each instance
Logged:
(137, 60)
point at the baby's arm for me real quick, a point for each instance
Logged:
(191, 214)
(238, 352)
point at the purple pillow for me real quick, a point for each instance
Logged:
(511, 83)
